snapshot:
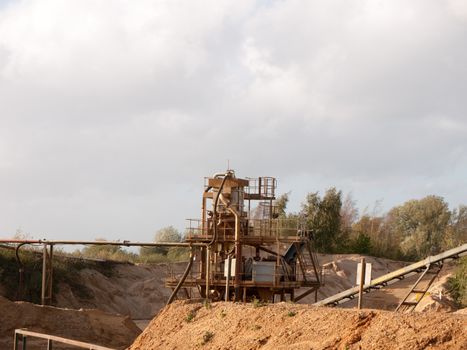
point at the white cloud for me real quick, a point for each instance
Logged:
(112, 112)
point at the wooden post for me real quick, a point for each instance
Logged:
(16, 342)
(50, 275)
(44, 274)
(207, 273)
(362, 282)
(227, 280)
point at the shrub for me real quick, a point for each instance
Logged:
(457, 285)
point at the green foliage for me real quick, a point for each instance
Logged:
(362, 244)
(291, 313)
(280, 205)
(457, 285)
(65, 270)
(324, 220)
(257, 303)
(106, 252)
(191, 315)
(9, 275)
(173, 254)
(420, 226)
(207, 337)
(167, 234)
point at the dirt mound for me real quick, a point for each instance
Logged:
(85, 325)
(134, 290)
(184, 325)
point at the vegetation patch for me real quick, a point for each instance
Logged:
(457, 284)
(207, 337)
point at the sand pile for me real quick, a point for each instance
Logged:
(85, 325)
(134, 290)
(185, 325)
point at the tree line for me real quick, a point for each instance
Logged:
(410, 231)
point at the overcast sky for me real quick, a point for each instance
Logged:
(112, 112)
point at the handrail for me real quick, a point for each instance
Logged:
(51, 338)
(397, 274)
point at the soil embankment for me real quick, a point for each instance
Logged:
(91, 326)
(137, 291)
(185, 325)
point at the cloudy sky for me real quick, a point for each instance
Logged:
(112, 112)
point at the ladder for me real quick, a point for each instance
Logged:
(420, 288)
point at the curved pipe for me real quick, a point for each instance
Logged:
(19, 292)
(214, 213)
(238, 249)
(182, 280)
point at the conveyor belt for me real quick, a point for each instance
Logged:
(391, 277)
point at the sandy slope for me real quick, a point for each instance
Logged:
(86, 325)
(293, 326)
(134, 290)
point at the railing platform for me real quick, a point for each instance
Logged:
(21, 336)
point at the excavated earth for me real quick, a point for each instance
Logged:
(92, 326)
(185, 325)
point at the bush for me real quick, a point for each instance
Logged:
(457, 285)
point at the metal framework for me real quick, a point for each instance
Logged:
(47, 256)
(247, 250)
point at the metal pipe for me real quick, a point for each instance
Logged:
(113, 243)
(238, 247)
(182, 280)
(19, 293)
(214, 212)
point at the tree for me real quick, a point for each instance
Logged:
(324, 220)
(166, 234)
(106, 252)
(281, 205)
(457, 230)
(420, 226)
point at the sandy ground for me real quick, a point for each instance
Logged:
(92, 326)
(185, 325)
(138, 291)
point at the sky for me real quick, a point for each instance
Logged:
(112, 112)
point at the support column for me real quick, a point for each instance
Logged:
(44, 274)
(47, 275)
(362, 282)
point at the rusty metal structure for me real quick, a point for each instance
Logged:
(248, 249)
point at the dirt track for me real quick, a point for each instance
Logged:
(293, 326)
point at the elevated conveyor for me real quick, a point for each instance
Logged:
(380, 282)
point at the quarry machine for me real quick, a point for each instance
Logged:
(248, 249)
